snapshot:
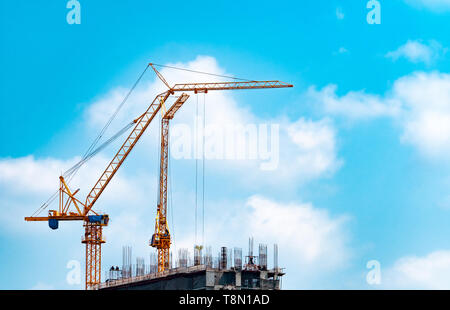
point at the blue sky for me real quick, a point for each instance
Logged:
(364, 141)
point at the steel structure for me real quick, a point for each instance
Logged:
(72, 209)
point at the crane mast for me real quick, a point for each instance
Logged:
(73, 209)
(161, 238)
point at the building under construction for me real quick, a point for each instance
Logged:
(225, 271)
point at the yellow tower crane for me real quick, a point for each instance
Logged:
(73, 209)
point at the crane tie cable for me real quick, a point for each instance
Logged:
(89, 152)
(72, 170)
(201, 72)
(108, 123)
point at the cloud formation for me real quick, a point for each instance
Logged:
(416, 51)
(355, 105)
(419, 103)
(310, 234)
(315, 147)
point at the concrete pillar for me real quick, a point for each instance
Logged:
(238, 279)
(210, 278)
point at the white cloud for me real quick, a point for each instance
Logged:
(425, 118)
(315, 152)
(354, 105)
(26, 182)
(27, 174)
(419, 103)
(41, 176)
(416, 51)
(428, 272)
(307, 233)
(433, 5)
(312, 243)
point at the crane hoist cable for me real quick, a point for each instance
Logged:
(196, 165)
(203, 171)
